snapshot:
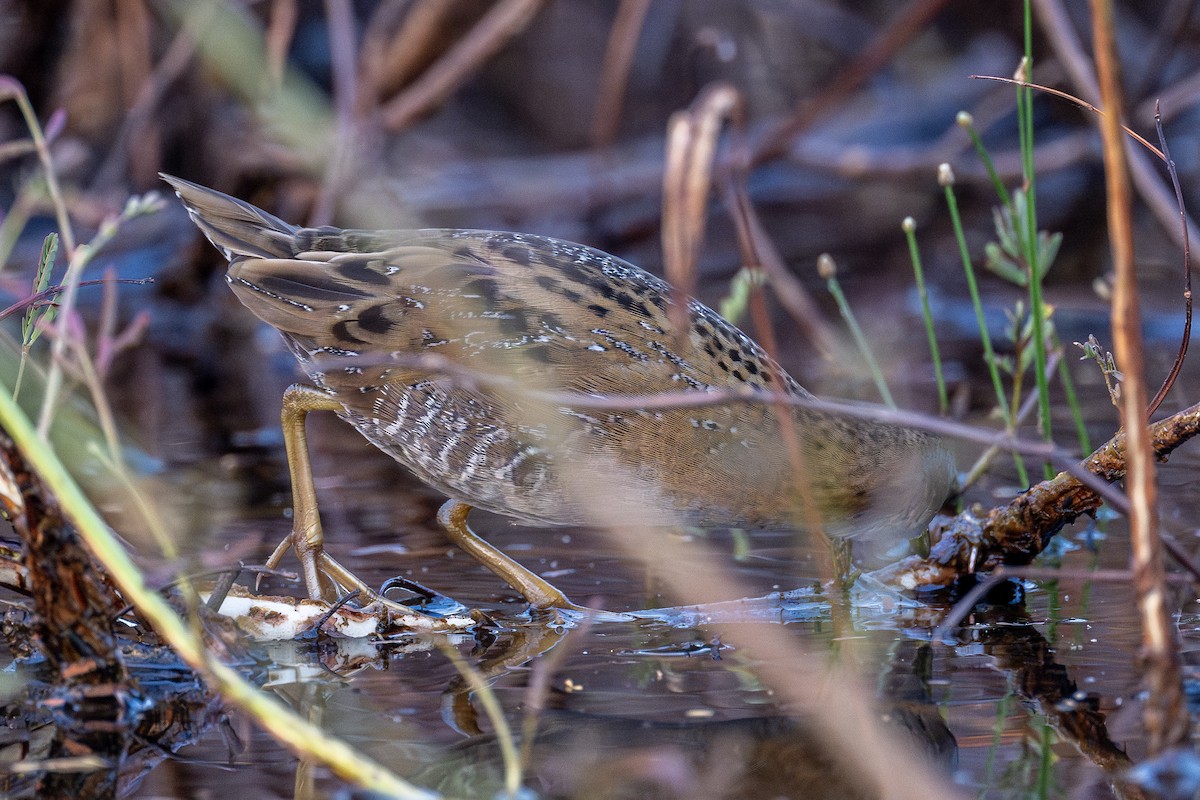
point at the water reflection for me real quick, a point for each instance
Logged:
(667, 706)
(705, 726)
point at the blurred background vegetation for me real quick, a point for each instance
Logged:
(549, 117)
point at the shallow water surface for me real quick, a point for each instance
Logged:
(654, 709)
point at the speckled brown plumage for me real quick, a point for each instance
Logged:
(565, 318)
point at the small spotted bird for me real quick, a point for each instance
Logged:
(493, 365)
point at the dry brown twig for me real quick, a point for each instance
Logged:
(692, 159)
(1165, 716)
(505, 20)
(906, 25)
(1070, 98)
(789, 290)
(281, 28)
(1065, 41)
(692, 137)
(402, 40)
(1016, 533)
(1186, 335)
(343, 160)
(750, 242)
(614, 74)
(693, 162)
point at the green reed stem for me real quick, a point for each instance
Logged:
(910, 226)
(967, 123)
(1030, 240)
(998, 727)
(1045, 775)
(11, 89)
(946, 179)
(828, 271)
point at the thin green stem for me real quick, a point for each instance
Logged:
(825, 265)
(71, 280)
(1018, 375)
(35, 314)
(104, 413)
(910, 227)
(989, 765)
(15, 219)
(1045, 775)
(17, 92)
(989, 354)
(148, 512)
(21, 371)
(1030, 239)
(968, 124)
(80, 257)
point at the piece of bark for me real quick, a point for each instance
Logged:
(75, 606)
(1016, 533)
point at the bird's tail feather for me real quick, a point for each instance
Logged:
(236, 228)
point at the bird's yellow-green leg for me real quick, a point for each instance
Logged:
(307, 538)
(539, 592)
(324, 578)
